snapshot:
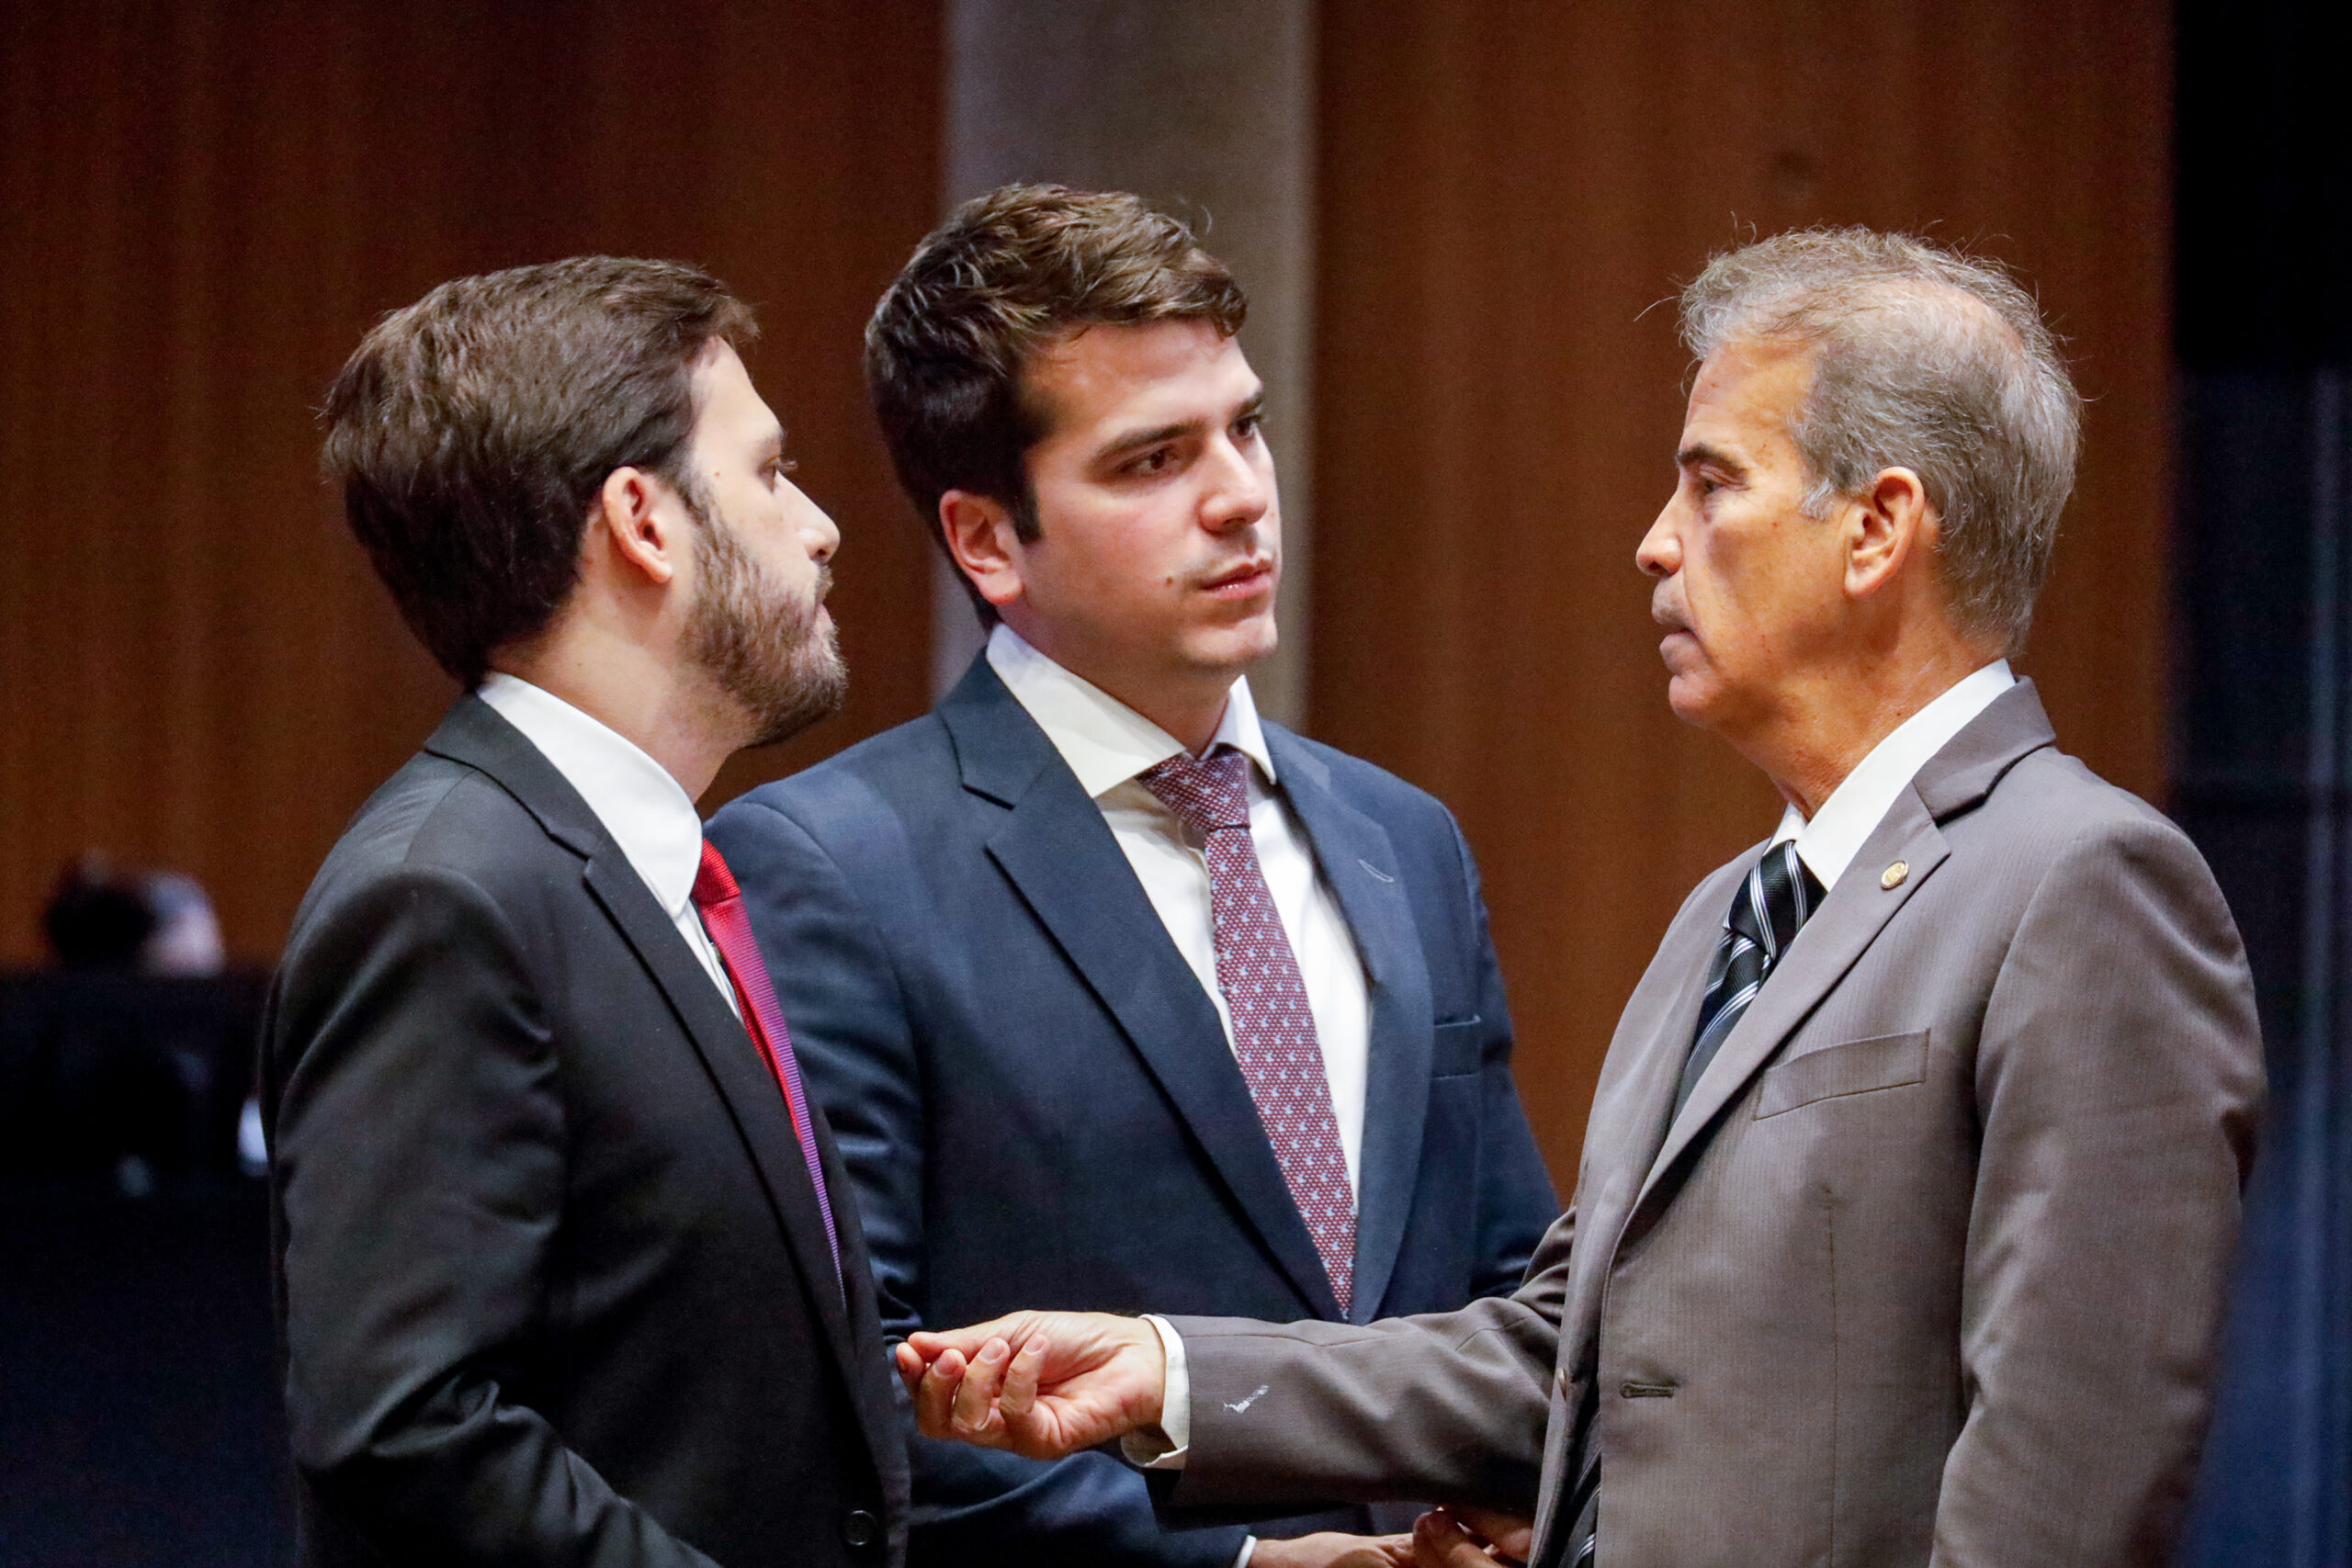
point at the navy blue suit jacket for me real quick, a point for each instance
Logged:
(1037, 1104)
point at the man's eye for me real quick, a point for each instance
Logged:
(781, 466)
(1156, 461)
(1250, 425)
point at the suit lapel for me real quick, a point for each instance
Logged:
(872, 1382)
(1839, 933)
(1055, 848)
(1622, 1136)
(1629, 1148)
(474, 734)
(1630, 1105)
(1360, 866)
(744, 1081)
(1956, 779)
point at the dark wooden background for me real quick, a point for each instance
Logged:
(206, 204)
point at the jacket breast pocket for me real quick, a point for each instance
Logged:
(1454, 1046)
(1855, 1066)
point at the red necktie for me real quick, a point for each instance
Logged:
(729, 925)
(1273, 1032)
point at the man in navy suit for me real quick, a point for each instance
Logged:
(1118, 995)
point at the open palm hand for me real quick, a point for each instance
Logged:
(1040, 1384)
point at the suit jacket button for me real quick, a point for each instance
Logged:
(860, 1530)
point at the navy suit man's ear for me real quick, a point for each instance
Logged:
(987, 545)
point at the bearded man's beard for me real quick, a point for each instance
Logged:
(765, 646)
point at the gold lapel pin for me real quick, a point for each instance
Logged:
(1892, 877)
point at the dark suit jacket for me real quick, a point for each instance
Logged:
(551, 1279)
(1929, 1270)
(1039, 1108)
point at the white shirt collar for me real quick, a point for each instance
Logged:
(1830, 842)
(1104, 741)
(648, 813)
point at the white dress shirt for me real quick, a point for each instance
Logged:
(1828, 843)
(1107, 744)
(647, 812)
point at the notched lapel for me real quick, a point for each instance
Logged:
(1839, 932)
(1000, 750)
(1956, 779)
(1361, 867)
(1628, 1124)
(1060, 855)
(475, 734)
(879, 1392)
(744, 1083)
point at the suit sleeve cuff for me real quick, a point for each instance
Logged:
(1163, 1447)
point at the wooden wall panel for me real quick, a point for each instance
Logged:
(207, 204)
(1511, 195)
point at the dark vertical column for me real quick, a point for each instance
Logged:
(2265, 695)
(2267, 726)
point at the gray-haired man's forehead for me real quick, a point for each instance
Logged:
(1707, 454)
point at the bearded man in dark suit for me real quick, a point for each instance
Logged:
(565, 1269)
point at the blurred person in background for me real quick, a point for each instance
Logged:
(97, 917)
(128, 1054)
(186, 937)
(1117, 991)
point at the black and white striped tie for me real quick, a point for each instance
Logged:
(1778, 896)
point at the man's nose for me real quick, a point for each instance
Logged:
(824, 535)
(1239, 492)
(1660, 554)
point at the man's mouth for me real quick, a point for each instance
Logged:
(1241, 578)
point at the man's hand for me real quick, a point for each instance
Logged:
(1040, 1384)
(1328, 1549)
(1470, 1538)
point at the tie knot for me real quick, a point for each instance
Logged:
(1779, 894)
(1205, 793)
(714, 884)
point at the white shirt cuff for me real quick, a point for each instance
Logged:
(1163, 1447)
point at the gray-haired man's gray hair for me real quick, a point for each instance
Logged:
(1925, 360)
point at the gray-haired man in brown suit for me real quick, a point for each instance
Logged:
(1906, 1211)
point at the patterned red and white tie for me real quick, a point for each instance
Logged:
(1273, 1030)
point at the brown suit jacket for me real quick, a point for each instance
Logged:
(1931, 1267)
